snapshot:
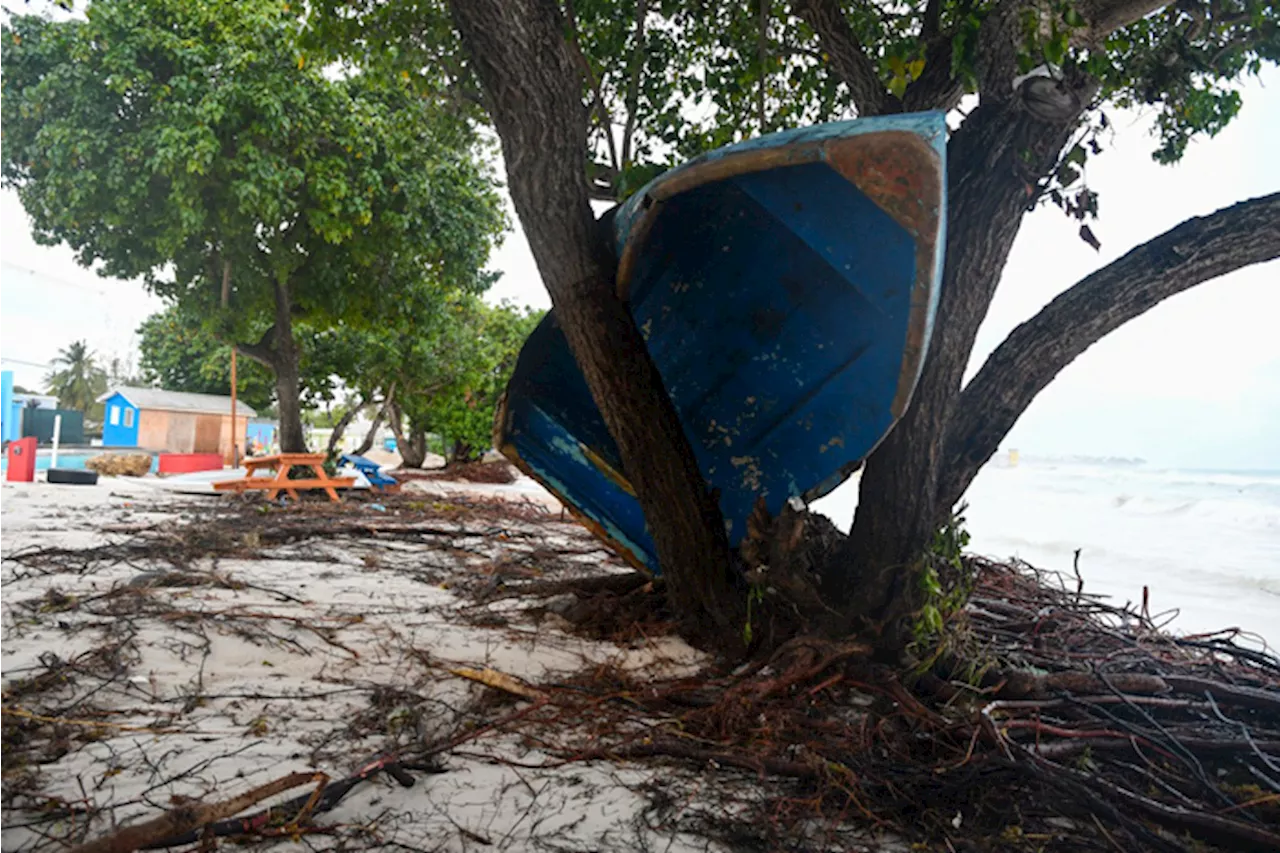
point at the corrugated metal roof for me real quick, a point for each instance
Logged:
(179, 401)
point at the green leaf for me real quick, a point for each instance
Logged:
(1055, 49)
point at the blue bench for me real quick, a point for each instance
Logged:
(372, 472)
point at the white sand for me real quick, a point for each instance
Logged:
(245, 695)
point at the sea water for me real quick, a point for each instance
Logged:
(1204, 544)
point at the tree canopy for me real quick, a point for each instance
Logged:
(665, 81)
(480, 356)
(197, 146)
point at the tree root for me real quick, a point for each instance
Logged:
(1084, 713)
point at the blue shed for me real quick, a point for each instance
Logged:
(119, 421)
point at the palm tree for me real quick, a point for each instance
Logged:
(78, 380)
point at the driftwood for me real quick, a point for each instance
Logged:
(193, 815)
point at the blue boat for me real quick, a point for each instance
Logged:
(786, 288)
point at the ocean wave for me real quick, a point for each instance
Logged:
(1206, 542)
(1257, 482)
(1238, 513)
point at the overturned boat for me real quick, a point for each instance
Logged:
(786, 288)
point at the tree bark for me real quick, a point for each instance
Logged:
(994, 162)
(463, 451)
(261, 351)
(288, 391)
(1103, 17)
(417, 446)
(340, 428)
(1031, 357)
(413, 447)
(226, 283)
(533, 92)
(372, 435)
(937, 88)
(847, 56)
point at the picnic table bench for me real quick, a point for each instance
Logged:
(282, 464)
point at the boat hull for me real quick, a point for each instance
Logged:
(785, 288)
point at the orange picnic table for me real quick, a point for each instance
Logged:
(282, 464)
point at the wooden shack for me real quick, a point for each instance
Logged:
(172, 421)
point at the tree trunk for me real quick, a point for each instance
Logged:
(418, 444)
(994, 162)
(340, 428)
(288, 392)
(847, 56)
(372, 435)
(1198, 250)
(533, 93)
(412, 452)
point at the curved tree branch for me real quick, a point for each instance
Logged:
(848, 57)
(598, 105)
(634, 73)
(1196, 251)
(937, 88)
(1104, 17)
(261, 352)
(367, 444)
(340, 428)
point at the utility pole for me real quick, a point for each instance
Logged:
(235, 441)
(226, 300)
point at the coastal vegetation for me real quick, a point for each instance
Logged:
(196, 146)
(77, 379)
(437, 372)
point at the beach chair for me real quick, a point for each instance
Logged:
(372, 472)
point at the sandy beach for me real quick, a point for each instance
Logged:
(461, 668)
(317, 655)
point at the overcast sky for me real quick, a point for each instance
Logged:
(1193, 383)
